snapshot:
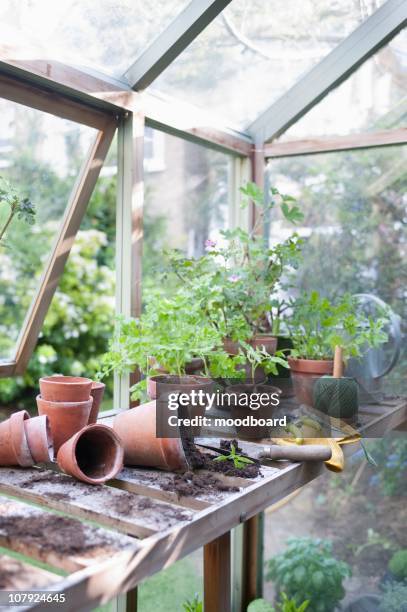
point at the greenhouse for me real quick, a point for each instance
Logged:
(203, 283)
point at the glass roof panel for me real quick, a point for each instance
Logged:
(373, 98)
(40, 156)
(106, 35)
(255, 50)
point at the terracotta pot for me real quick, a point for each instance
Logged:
(94, 454)
(195, 365)
(65, 388)
(230, 346)
(137, 430)
(269, 342)
(38, 432)
(304, 373)
(263, 412)
(14, 449)
(97, 391)
(66, 418)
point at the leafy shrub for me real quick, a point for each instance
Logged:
(398, 564)
(391, 458)
(285, 605)
(394, 599)
(307, 571)
(193, 605)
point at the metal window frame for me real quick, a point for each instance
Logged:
(172, 41)
(338, 65)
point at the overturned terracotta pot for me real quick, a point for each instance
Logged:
(14, 449)
(94, 454)
(97, 391)
(66, 418)
(38, 432)
(304, 374)
(137, 430)
(65, 388)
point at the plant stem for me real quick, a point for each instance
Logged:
(9, 220)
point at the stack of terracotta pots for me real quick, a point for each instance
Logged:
(90, 452)
(25, 441)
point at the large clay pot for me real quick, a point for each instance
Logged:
(66, 418)
(65, 388)
(263, 412)
(14, 449)
(137, 430)
(94, 454)
(97, 392)
(38, 432)
(304, 373)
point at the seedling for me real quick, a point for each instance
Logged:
(239, 461)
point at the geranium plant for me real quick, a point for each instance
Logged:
(237, 278)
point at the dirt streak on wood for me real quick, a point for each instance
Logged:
(16, 575)
(59, 541)
(124, 511)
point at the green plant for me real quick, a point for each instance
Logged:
(307, 571)
(239, 461)
(235, 280)
(19, 207)
(165, 337)
(394, 598)
(193, 605)
(317, 325)
(285, 605)
(259, 358)
(398, 564)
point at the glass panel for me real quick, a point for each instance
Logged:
(354, 231)
(186, 197)
(255, 50)
(40, 156)
(107, 36)
(373, 98)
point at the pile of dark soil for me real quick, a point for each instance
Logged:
(190, 484)
(131, 505)
(205, 461)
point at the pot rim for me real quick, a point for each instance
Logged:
(97, 384)
(118, 464)
(311, 366)
(60, 404)
(61, 379)
(193, 379)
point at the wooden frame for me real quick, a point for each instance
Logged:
(169, 44)
(100, 92)
(337, 66)
(310, 146)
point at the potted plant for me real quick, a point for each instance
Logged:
(307, 571)
(234, 282)
(161, 343)
(316, 327)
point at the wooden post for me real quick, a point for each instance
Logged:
(252, 580)
(217, 588)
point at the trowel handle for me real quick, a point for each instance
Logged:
(295, 452)
(338, 362)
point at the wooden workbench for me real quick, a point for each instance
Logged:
(105, 540)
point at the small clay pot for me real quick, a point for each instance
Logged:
(97, 392)
(266, 341)
(14, 449)
(304, 373)
(38, 432)
(66, 418)
(65, 388)
(175, 384)
(137, 430)
(230, 346)
(94, 454)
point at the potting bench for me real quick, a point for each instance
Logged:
(107, 539)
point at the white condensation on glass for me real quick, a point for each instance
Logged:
(373, 98)
(254, 51)
(107, 35)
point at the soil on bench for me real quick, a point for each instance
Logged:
(204, 461)
(67, 535)
(130, 506)
(190, 484)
